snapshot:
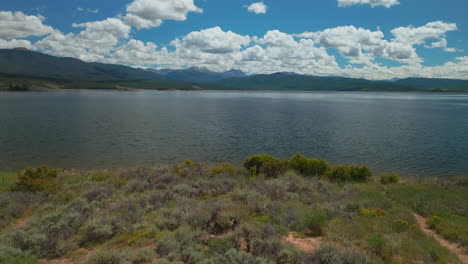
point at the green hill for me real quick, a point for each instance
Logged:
(442, 84)
(22, 69)
(19, 68)
(286, 81)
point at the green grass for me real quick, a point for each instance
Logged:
(7, 179)
(405, 243)
(434, 200)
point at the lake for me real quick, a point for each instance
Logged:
(414, 134)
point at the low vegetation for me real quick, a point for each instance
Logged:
(389, 178)
(195, 213)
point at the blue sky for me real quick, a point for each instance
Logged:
(355, 38)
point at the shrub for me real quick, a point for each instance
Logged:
(38, 180)
(350, 173)
(329, 254)
(180, 245)
(265, 164)
(400, 225)
(377, 212)
(378, 246)
(97, 230)
(107, 257)
(338, 173)
(190, 169)
(433, 221)
(308, 167)
(267, 247)
(10, 255)
(97, 192)
(360, 173)
(389, 178)
(13, 204)
(290, 256)
(234, 256)
(224, 169)
(50, 235)
(221, 245)
(326, 254)
(314, 223)
(142, 256)
(273, 189)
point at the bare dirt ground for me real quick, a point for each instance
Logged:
(307, 245)
(453, 247)
(20, 222)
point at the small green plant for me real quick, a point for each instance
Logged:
(314, 223)
(433, 221)
(376, 244)
(389, 178)
(400, 225)
(38, 180)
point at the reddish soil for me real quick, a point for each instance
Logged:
(307, 245)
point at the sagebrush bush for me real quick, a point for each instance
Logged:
(389, 178)
(9, 255)
(234, 256)
(328, 254)
(267, 247)
(98, 192)
(265, 164)
(181, 245)
(290, 255)
(97, 230)
(107, 257)
(51, 234)
(41, 179)
(13, 204)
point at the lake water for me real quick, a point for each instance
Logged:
(409, 133)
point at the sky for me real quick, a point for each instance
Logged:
(372, 39)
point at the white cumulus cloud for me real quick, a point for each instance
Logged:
(212, 40)
(418, 35)
(151, 13)
(257, 8)
(93, 43)
(19, 25)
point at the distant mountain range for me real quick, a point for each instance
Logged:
(198, 75)
(21, 69)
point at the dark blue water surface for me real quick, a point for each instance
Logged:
(409, 133)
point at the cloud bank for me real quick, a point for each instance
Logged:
(314, 52)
